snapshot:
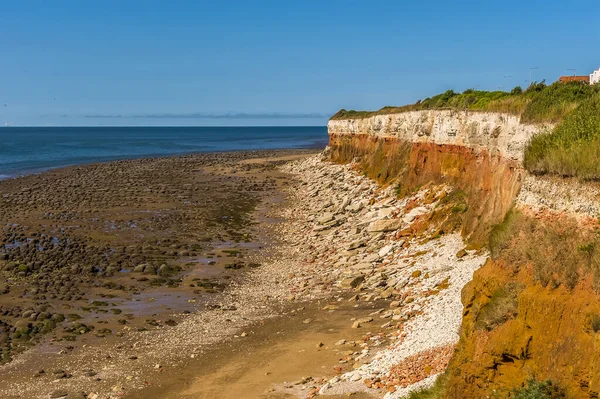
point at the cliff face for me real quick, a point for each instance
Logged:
(549, 334)
(479, 153)
(532, 310)
(497, 134)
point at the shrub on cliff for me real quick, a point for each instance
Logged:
(558, 251)
(437, 391)
(501, 307)
(539, 390)
(552, 103)
(572, 148)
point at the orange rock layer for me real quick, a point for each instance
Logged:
(490, 182)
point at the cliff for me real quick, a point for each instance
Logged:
(531, 312)
(494, 133)
(478, 152)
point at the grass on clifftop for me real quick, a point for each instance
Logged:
(539, 103)
(572, 148)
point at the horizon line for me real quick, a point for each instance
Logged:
(156, 126)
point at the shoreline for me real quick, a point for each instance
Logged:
(39, 170)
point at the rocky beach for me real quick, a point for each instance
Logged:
(269, 273)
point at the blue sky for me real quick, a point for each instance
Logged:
(279, 62)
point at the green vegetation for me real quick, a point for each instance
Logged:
(539, 390)
(437, 391)
(539, 103)
(558, 251)
(501, 307)
(573, 147)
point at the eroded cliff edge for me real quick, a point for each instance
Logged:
(532, 311)
(477, 152)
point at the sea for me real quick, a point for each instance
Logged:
(26, 150)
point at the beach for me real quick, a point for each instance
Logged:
(261, 274)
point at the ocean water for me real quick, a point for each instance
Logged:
(34, 149)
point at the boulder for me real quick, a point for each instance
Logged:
(357, 244)
(385, 225)
(355, 207)
(353, 281)
(385, 250)
(418, 211)
(325, 218)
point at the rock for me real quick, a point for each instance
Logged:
(416, 274)
(395, 304)
(344, 204)
(385, 250)
(385, 225)
(355, 207)
(22, 326)
(324, 388)
(139, 268)
(357, 244)
(358, 323)
(59, 394)
(325, 218)
(418, 211)
(352, 282)
(371, 258)
(385, 212)
(149, 269)
(462, 253)
(387, 293)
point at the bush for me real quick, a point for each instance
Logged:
(539, 390)
(502, 307)
(552, 103)
(557, 250)
(572, 148)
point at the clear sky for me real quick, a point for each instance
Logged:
(126, 62)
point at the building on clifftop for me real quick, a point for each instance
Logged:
(595, 77)
(566, 79)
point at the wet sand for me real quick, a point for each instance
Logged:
(278, 358)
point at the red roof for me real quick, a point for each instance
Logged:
(565, 79)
